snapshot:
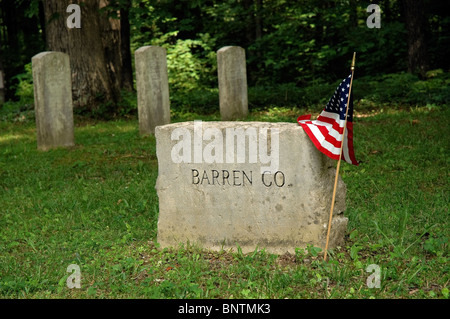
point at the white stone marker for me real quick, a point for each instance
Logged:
(53, 100)
(232, 76)
(152, 88)
(252, 184)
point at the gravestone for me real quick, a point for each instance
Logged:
(252, 184)
(232, 76)
(53, 100)
(152, 88)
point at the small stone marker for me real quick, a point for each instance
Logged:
(152, 88)
(53, 100)
(232, 76)
(252, 184)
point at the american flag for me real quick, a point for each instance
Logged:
(326, 131)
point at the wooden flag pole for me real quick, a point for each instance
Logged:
(340, 156)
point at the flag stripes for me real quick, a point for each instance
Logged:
(327, 131)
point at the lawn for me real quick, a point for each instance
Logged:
(95, 205)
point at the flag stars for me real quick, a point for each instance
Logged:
(338, 106)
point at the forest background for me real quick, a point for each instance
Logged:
(296, 50)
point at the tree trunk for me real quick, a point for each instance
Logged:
(353, 16)
(9, 44)
(258, 19)
(415, 20)
(125, 51)
(2, 73)
(93, 60)
(2, 82)
(247, 6)
(110, 37)
(387, 12)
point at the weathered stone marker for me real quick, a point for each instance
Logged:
(252, 184)
(53, 100)
(232, 76)
(152, 88)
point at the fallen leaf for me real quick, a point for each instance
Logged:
(413, 291)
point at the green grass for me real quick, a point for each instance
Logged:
(95, 205)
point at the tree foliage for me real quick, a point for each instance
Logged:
(296, 42)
